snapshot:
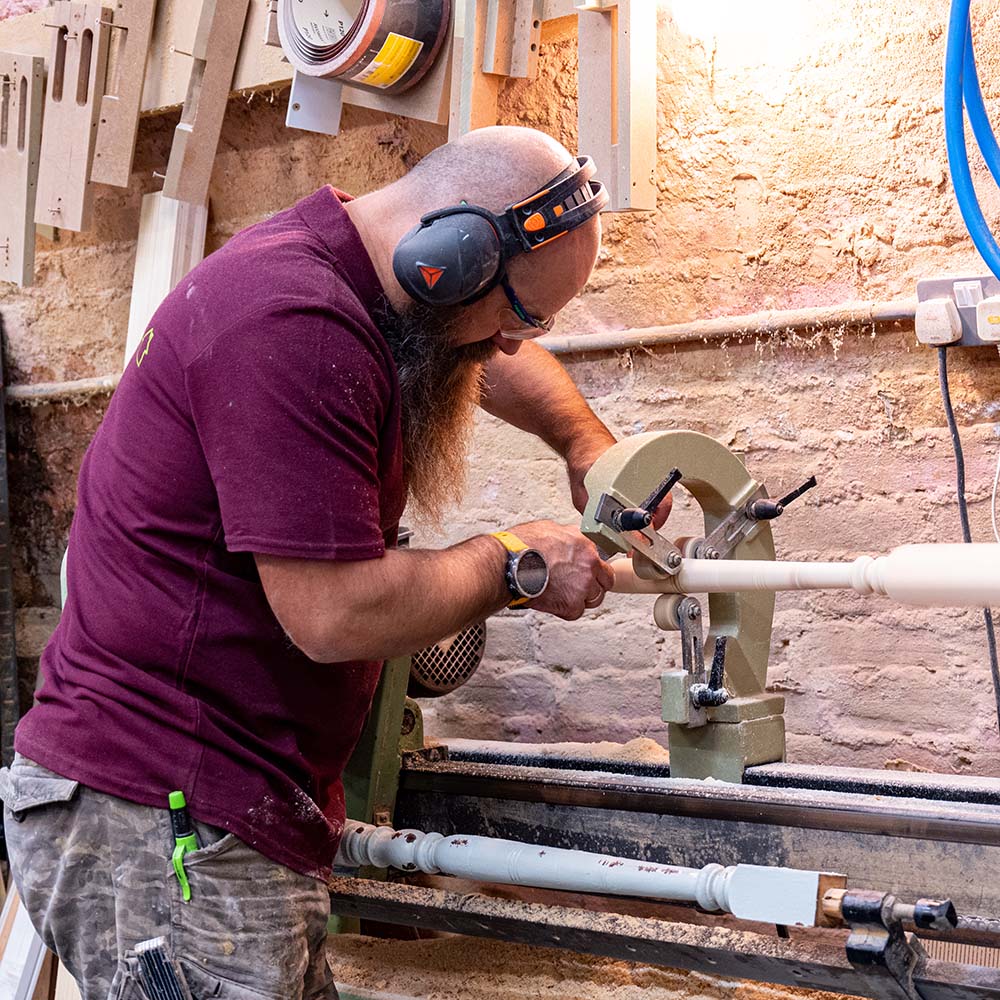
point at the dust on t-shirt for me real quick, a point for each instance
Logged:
(259, 414)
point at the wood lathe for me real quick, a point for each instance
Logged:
(871, 883)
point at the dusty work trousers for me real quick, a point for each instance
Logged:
(94, 873)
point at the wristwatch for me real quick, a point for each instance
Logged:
(526, 573)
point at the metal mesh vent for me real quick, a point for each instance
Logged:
(447, 664)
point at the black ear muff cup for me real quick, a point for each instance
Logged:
(448, 259)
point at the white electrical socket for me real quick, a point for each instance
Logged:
(938, 322)
(988, 320)
(962, 310)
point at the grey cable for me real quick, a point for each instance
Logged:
(963, 513)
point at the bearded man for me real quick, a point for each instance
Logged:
(233, 584)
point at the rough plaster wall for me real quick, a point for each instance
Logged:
(11, 8)
(801, 162)
(804, 172)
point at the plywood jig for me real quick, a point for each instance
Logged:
(490, 40)
(513, 35)
(77, 64)
(132, 29)
(21, 96)
(196, 137)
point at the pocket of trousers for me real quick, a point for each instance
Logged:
(211, 850)
(206, 985)
(201, 984)
(26, 785)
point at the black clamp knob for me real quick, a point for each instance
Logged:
(637, 518)
(768, 510)
(935, 915)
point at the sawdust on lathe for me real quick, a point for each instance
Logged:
(640, 750)
(466, 968)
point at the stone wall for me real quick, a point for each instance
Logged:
(801, 163)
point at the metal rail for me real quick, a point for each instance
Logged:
(964, 788)
(949, 822)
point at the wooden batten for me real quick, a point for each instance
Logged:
(66, 988)
(80, 36)
(473, 92)
(25, 963)
(118, 124)
(171, 241)
(196, 137)
(617, 98)
(21, 95)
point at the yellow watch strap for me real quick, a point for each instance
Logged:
(512, 544)
(509, 541)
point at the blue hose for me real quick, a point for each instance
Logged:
(976, 109)
(959, 34)
(961, 83)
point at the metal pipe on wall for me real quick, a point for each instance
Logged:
(748, 327)
(706, 331)
(53, 392)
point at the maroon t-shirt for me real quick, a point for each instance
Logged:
(260, 413)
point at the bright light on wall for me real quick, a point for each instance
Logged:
(775, 32)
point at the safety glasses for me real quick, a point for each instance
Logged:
(528, 326)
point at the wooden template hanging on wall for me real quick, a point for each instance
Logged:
(513, 34)
(80, 36)
(21, 85)
(616, 44)
(196, 137)
(118, 121)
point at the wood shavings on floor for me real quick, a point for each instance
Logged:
(465, 968)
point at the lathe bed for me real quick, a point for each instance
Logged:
(910, 834)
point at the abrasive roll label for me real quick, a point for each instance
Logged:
(394, 59)
(325, 22)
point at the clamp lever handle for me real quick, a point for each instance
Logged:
(637, 518)
(713, 694)
(768, 510)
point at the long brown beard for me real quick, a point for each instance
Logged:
(440, 385)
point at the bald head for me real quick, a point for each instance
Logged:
(492, 168)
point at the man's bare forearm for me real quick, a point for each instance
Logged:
(531, 390)
(377, 608)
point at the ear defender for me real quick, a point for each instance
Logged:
(450, 257)
(458, 254)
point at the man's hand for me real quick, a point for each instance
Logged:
(578, 576)
(581, 457)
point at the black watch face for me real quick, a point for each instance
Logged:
(531, 573)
